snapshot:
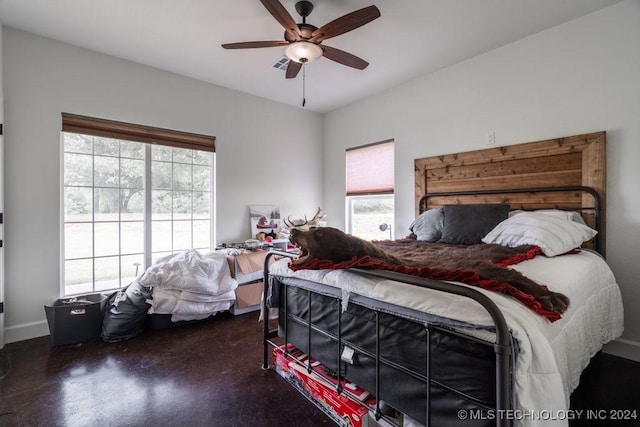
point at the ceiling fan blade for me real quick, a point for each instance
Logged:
(293, 69)
(277, 10)
(344, 58)
(345, 23)
(252, 45)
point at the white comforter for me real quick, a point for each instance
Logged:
(551, 355)
(190, 286)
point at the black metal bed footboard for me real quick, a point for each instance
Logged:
(329, 331)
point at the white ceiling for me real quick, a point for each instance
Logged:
(410, 39)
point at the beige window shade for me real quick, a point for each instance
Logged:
(139, 133)
(370, 169)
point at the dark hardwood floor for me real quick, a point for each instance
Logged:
(608, 394)
(204, 374)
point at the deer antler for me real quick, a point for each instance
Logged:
(290, 222)
(320, 214)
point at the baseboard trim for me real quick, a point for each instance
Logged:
(26, 331)
(623, 348)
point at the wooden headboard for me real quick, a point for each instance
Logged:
(572, 161)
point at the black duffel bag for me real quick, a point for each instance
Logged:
(126, 314)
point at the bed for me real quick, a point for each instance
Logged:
(450, 353)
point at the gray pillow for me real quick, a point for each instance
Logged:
(428, 226)
(468, 224)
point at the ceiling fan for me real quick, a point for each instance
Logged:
(305, 40)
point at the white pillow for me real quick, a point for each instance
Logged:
(554, 235)
(568, 215)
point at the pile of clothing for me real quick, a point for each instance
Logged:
(186, 286)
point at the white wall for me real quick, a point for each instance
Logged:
(44, 78)
(576, 78)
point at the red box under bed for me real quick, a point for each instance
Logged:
(320, 388)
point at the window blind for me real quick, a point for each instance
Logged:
(370, 169)
(139, 133)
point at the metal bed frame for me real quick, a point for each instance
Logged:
(502, 347)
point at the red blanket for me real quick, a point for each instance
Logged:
(477, 265)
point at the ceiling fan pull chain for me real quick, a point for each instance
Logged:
(304, 85)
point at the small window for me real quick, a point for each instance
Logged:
(370, 187)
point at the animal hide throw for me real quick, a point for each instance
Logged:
(480, 265)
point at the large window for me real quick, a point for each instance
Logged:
(370, 186)
(127, 203)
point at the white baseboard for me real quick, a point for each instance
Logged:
(26, 331)
(623, 348)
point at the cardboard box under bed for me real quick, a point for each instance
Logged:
(247, 269)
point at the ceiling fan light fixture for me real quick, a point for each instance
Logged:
(303, 52)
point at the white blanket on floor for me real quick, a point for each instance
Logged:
(551, 356)
(190, 286)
